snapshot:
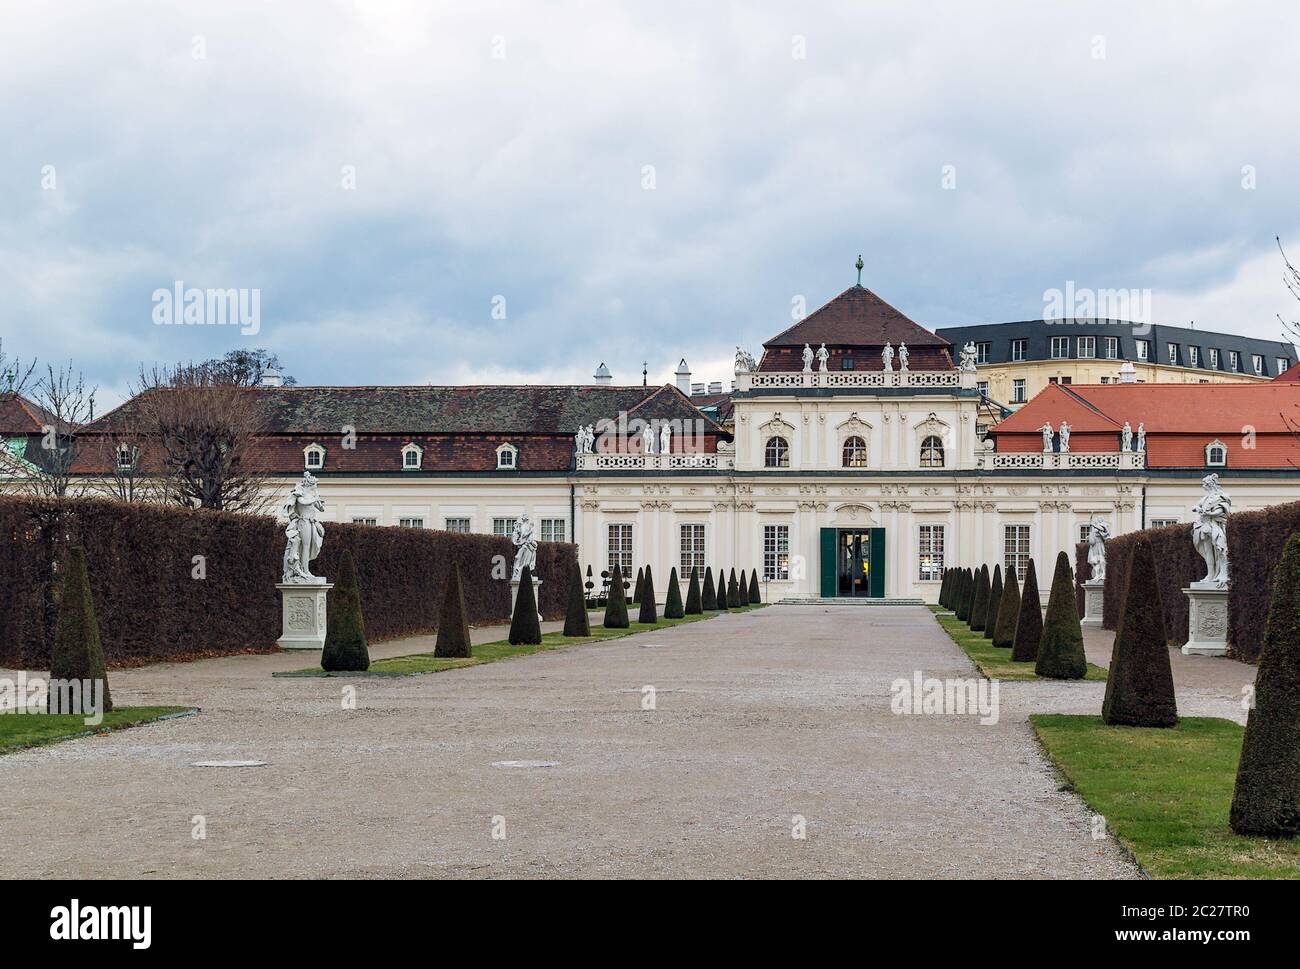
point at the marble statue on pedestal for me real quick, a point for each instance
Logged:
(1126, 437)
(902, 356)
(744, 361)
(823, 356)
(807, 358)
(1047, 437)
(648, 440)
(969, 356)
(1065, 438)
(585, 437)
(1142, 436)
(665, 438)
(525, 546)
(887, 356)
(1210, 533)
(1098, 532)
(304, 533)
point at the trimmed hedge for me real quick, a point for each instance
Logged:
(152, 607)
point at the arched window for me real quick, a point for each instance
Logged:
(1216, 454)
(932, 452)
(855, 452)
(776, 453)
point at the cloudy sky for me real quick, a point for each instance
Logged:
(509, 192)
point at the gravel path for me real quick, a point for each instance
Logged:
(760, 717)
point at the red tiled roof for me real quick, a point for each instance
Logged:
(857, 317)
(1291, 374)
(18, 415)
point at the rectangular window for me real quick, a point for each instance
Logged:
(1193, 356)
(1258, 361)
(1018, 391)
(411, 522)
(846, 363)
(1143, 349)
(1105, 380)
(1018, 349)
(554, 530)
(1173, 353)
(776, 552)
(1016, 550)
(1084, 532)
(1112, 347)
(1283, 365)
(982, 352)
(930, 545)
(1234, 361)
(1060, 347)
(983, 387)
(503, 526)
(1161, 522)
(620, 548)
(456, 524)
(1087, 346)
(692, 550)
(362, 520)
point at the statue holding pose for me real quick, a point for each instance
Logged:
(744, 361)
(1126, 437)
(648, 440)
(1047, 437)
(969, 355)
(823, 355)
(902, 356)
(1142, 436)
(525, 546)
(1098, 532)
(1065, 438)
(665, 438)
(304, 532)
(1210, 533)
(807, 358)
(887, 355)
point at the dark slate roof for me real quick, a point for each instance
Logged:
(451, 410)
(1038, 333)
(856, 317)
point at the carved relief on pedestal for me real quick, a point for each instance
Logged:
(1214, 621)
(300, 613)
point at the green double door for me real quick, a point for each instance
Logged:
(853, 562)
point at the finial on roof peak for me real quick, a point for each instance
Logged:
(859, 264)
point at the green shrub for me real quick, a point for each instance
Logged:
(345, 628)
(673, 608)
(1029, 623)
(734, 599)
(943, 588)
(1060, 650)
(78, 654)
(1266, 800)
(639, 588)
(453, 625)
(1008, 612)
(1140, 683)
(576, 621)
(979, 606)
(965, 589)
(709, 599)
(723, 598)
(754, 597)
(995, 600)
(694, 605)
(649, 613)
(616, 604)
(525, 628)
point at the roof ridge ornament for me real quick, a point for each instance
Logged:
(858, 265)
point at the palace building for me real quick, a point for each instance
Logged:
(845, 461)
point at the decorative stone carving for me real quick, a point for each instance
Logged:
(1065, 437)
(304, 533)
(807, 358)
(1142, 437)
(302, 614)
(665, 438)
(1098, 532)
(525, 546)
(823, 356)
(1207, 622)
(1047, 437)
(648, 440)
(887, 357)
(1126, 437)
(902, 356)
(744, 362)
(1094, 601)
(969, 354)
(1210, 533)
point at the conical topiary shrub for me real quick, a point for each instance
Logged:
(709, 598)
(453, 626)
(961, 604)
(995, 601)
(734, 599)
(1140, 684)
(754, 597)
(576, 621)
(673, 608)
(649, 613)
(1029, 623)
(943, 588)
(1266, 800)
(525, 628)
(980, 603)
(722, 590)
(616, 605)
(1060, 650)
(1008, 612)
(78, 654)
(694, 605)
(637, 589)
(345, 629)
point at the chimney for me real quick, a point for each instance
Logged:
(603, 376)
(1127, 373)
(715, 387)
(697, 390)
(684, 377)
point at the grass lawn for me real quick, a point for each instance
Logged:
(1166, 793)
(501, 649)
(19, 730)
(993, 662)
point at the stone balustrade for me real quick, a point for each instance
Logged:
(620, 461)
(795, 380)
(1108, 460)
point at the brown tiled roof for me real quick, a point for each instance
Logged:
(856, 317)
(18, 415)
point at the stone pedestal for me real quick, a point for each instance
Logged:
(302, 614)
(537, 595)
(1094, 602)
(1207, 621)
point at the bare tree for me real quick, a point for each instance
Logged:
(66, 405)
(1291, 277)
(127, 473)
(201, 422)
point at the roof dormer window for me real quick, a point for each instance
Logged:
(313, 457)
(1216, 454)
(507, 457)
(412, 457)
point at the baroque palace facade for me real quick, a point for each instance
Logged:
(850, 465)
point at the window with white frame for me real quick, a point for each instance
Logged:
(554, 530)
(1283, 365)
(982, 352)
(776, 552)
(854, 452)
(1216, 454)
(411, 457)
(930, 552)
(1018, 349)
(503, 526)
(313, 457)
(776, 453)
(1193, 356)
(411, 522)
(1016, 550)
(1143, 349)
(364, 520)
(1087, 346)
(1161, 522)
(692, 549)
(1018, 390)
(127, 455)
(1112, 347)
(1060, 347)
(507, 457)
(1172, 349)
(456, 524)
(1234, 361)
(1258, 361)
(1214, 359)
(983, 387)
(620, 547)
(932, 452)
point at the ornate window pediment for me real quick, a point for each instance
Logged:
(412, 457)
(507, 457)
(777, 426)
(313, 457)
(1216, 454)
